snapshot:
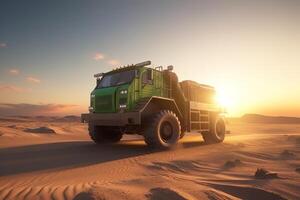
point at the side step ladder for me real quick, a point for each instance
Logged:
(199, 120)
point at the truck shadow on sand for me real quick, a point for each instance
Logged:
(70, 154)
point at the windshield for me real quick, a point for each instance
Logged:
(116, 79)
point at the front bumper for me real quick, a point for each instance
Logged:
(112, 119)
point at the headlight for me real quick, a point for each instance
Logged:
(91, 109)
(123, 92)
(92, 96)
(122, 105)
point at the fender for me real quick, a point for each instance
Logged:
(156, 103)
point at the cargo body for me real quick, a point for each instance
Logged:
(152, 102)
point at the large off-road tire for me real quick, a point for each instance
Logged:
(102, 134)
(217, 131)
(163, 131)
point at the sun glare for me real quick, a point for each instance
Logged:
(227, 99)
(223, 100)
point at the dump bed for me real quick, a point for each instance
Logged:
(196, 92)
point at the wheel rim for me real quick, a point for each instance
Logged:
(220, 129)
(166, 131)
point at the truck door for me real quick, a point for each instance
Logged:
(147, 83)
(151, 83)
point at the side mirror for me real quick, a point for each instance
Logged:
(147, 77)
(136, 73)
(150, 74)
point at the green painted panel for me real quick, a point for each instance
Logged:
(105, 100)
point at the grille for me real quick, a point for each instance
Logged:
(104, 103)
(123, 101)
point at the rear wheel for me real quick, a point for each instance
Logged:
(217, 131)
(163, 131)
(102, 134)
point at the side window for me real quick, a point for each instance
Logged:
(147, 77)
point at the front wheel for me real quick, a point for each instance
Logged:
(163, 131)
(101, 134)
(217, 131)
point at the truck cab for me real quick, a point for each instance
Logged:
(119, 90)
(138, 99)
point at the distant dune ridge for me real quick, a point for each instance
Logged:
(257, 118)
(67, 118)
(248, 118)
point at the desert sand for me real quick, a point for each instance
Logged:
(52, 158)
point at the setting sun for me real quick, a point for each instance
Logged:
(227, 98)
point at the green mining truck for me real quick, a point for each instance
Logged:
(137, 99)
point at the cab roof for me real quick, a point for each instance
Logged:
(129, 67)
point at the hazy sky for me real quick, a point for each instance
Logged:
(248, 50)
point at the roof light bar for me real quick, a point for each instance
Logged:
(98, 75)
(142, 64)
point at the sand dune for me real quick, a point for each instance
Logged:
(42, 129)
(67, 165)
(256, 118)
